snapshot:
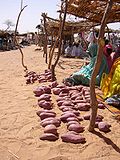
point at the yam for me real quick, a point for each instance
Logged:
(63, 94)
(47, 89)
(104, 126)
(53, 84)
(51, 129)
(74, 96)
(67, 103)
(49, 137)
(67, 115)
(101, 106)
(44, 111)
(79, 101)
(76, 127)
(72, 138)
(72, 122)
(38, 91)
(64, 90)
(44, 97)
(83, 106)
(46, 115)
(45, 104)
(61, 86)
(99, 118)
(72, 119)
(54, 121)
(56, 91)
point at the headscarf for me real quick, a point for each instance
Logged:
(108, 50)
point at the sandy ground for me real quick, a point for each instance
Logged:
(20, 127)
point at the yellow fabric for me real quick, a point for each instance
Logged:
(110, 84)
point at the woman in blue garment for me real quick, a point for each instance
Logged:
(83, 76)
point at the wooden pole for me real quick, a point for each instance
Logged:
(60, 35)
(15, 39)
(52, 52)
(46, 38)
(94, 104)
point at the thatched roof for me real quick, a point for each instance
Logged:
(93, 10)
(89, 11)
(3, 34)
(70, 27)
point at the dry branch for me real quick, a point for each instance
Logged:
(94, 104)
(16, 42)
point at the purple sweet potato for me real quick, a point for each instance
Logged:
(56, 91)
(76, 127)
(46, 115)
(72, 122)
(45, 104)
(67, 103)
(38, 91)
(78, 101)
(101, 106)
(73, 92)
(72, 119)
(99, 118)
(67, 115)
(51, 129)
(70, 109)
(63, 94)
(44, 111)
(64, 90)
(49, 137)
(61, 86)
(47, 89)
(79, 88)
(83, 106)
(74, 96)
(71, 137)
(50, 118)
(79, 98)
(44, 97)
(80, 118)
(59, 103)
(86, 117)
(54, 121)
(40, 80)
(72, 88)
(64, 108)
(53, 84)
(104, 126)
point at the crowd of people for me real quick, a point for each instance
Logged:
(108, 77)
(83, 76)
(75, 50)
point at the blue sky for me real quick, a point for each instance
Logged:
(30, 17)
(9, 9)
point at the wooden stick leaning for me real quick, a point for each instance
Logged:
(94, 104)
(15, 39)
(60, 36)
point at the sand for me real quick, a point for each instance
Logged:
(20, 126)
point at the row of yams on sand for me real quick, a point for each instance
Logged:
(71, 101)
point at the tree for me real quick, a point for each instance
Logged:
(9, 24)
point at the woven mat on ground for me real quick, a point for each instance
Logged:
(115, 111)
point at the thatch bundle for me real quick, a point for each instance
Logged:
(93, 10)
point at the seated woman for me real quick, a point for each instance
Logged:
(83, 76)
(110, 84)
